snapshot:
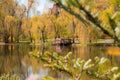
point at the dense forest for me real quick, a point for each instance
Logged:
(90, 27)
(96, 21)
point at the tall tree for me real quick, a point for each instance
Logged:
(86, 15)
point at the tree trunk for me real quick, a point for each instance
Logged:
(6, 38)
(30, 37)
(18, 31)
(11, 38)
(43, 36)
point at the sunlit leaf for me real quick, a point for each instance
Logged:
(88, 64)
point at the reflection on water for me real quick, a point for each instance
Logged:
(15, 59)
(114, 51)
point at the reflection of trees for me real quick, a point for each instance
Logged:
(62, 49)
(6, 58)
(20, 67)
(58, 75)
(86, 52)
(15, 58)
(80, 51)
(10, 58)
(114, 54)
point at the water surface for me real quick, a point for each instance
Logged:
(15, 59)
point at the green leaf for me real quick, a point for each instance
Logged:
(103, 60)
(55, 55)
(88, 64)
(114, 69)
(116, 76)
(68, 56)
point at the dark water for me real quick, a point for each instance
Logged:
(15, 59)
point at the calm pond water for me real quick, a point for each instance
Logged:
(16, 59)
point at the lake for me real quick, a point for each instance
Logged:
(15, 59)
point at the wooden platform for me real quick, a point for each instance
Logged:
(60, 41)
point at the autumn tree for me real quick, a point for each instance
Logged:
(88, 17)
(7, 9)
(13, 14)
(61, 29)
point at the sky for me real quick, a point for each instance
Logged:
(41, 6)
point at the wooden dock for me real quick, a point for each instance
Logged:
(60, 41)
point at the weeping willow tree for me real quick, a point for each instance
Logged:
(105, 17)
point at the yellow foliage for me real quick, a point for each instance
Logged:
(9, 19)
(104, 15)
(114, 51)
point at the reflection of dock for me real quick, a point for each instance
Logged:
(64, 42)
(62, 49)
